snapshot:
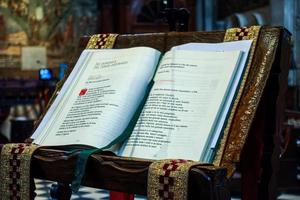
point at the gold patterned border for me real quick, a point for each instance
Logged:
(102, 41)
(234, 34)
(168, 179)
(15, 163)
(257, 80)
(252, 93)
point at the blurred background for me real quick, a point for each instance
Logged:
(38, 38)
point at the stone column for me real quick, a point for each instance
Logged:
(292, 23)
(277, 12)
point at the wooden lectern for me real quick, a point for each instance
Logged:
(252, 144)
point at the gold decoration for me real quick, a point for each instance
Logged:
(234, 34)
(15, 171)
(253, 87)
(168, 179)
(102, 41)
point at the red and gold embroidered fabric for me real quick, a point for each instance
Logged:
(15, 163)
(234, 34)
(102, 41)
(168, 179)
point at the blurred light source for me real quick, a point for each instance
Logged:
(45, 74)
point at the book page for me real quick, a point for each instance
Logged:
(99, 99)
(181, 109)
(243, 46)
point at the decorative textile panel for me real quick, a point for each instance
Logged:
(15, 176)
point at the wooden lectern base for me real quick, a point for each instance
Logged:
(121, 174)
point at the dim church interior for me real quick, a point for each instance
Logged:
(53, 28)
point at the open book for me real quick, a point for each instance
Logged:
(106, 98)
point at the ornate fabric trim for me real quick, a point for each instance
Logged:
(253, 92)
(102, 41)
(15, 171)
(245, 33)
(234, 34)
(168, 179)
